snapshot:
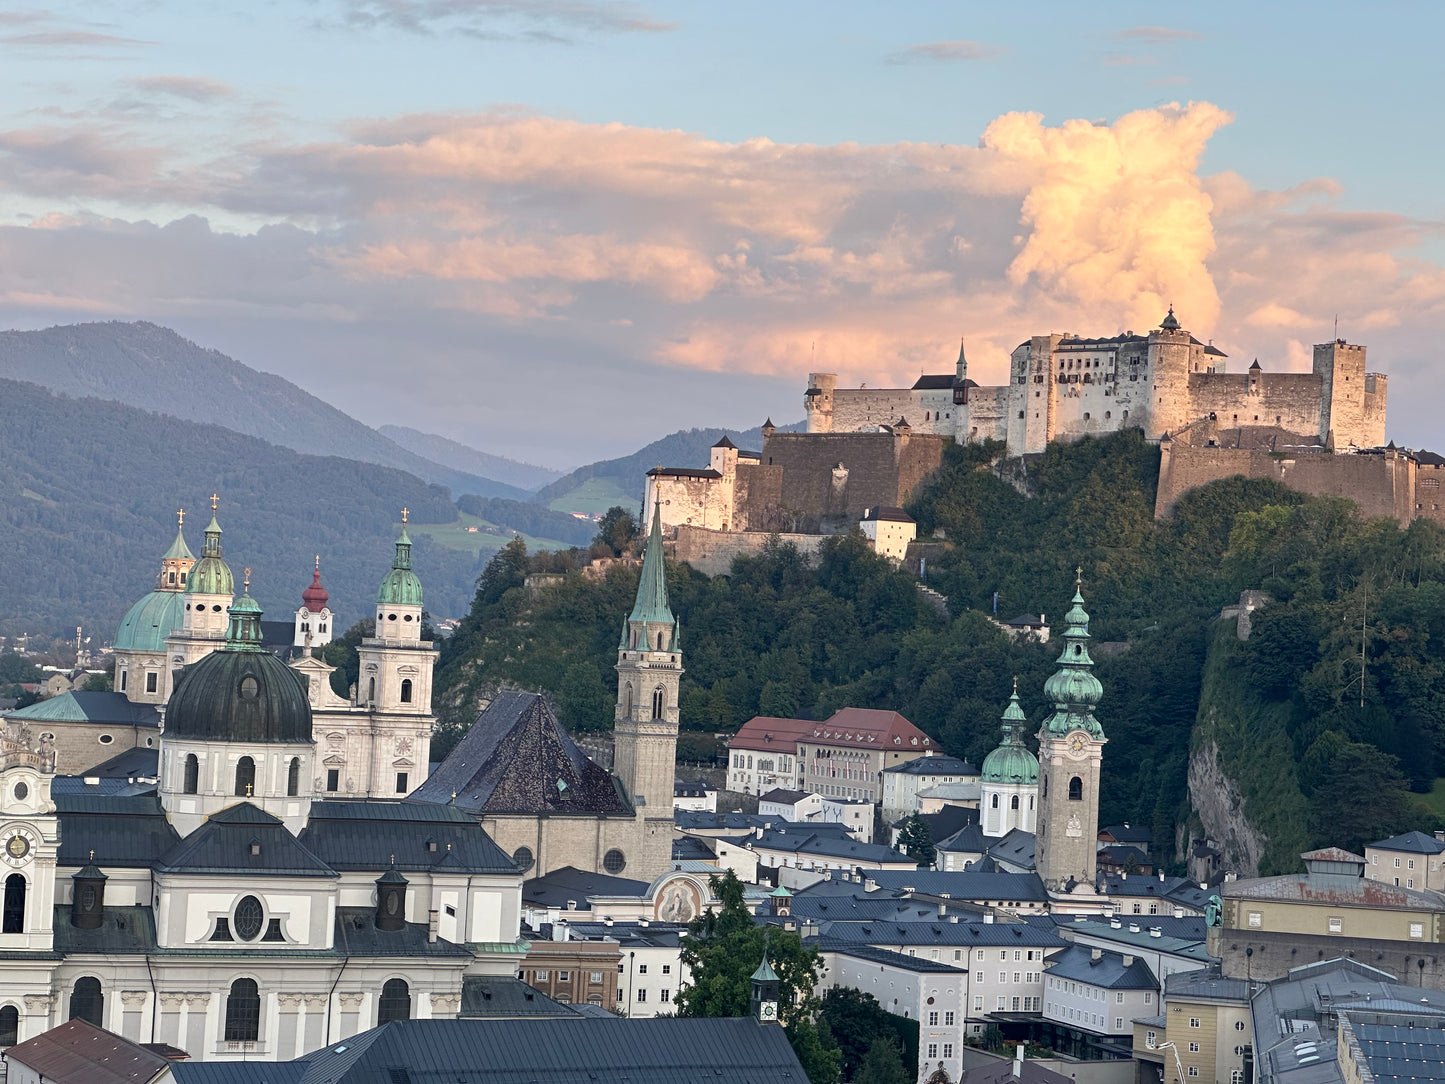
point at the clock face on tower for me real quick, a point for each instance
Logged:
(1078, 742)
(768, 1010)
(17, 846)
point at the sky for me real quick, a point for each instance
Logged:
(558, 229)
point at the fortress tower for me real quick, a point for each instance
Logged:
(1169, 362)
(818, 401)
(1352, 401)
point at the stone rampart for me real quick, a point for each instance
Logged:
(712, 552)
(1265, 956)
(1288, 400)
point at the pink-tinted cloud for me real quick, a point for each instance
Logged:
(946, 52)
(190, 87)
(1156, 35)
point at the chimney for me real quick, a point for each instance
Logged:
(1155, 931)
(571, 905)
(988, 918)
(1095, 955)
(1128, 961)
(1019, 1061)
(942, 909)
(870, 885)
(953, 919)
(1161, 876)
(1133, 927)
(559, 930)
(432, 918)
(1440, 836)
(1114, 923)
(1178, 911)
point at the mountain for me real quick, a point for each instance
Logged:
(466, 458)
(597, 486)
(89, 491)
(150, 367)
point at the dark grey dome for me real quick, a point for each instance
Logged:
(241, 692)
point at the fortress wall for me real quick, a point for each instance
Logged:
(1372, 481)
(877, 469)
(758, 499)
(712, 552)
(866, 408)
(1373, 419)
(697, 502)
(1288, 400)
(988, 413)
(1085, 409)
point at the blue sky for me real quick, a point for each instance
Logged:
(431, 212)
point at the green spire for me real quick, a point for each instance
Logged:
(1011, 762)
(179, 551)
(401, 587)
(652, 607)
(244, 632)
(765, 972)
(211, 575)
(1073, 687)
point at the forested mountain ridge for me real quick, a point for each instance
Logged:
(88, 496)
(1277, 718)
(152, 368)
(460, 456)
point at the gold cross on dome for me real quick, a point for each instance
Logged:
(215, 502)
(248, 790)
(246, 580)
(404, 513)
(92, 854)
(318, 562)
(1079, 576)
(180, 517)
(1016, 685)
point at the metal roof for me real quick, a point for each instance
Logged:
(569, 883)
(406, 835)
(888, 957)
(825, 844)
(964, 885)
(101, 708)
(242, 839)
(122, 831)
(1107, 972)
(941, 932)
(502, 997)
(933, 765)
(598, 1050)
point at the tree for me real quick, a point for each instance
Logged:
(916, 841)
(508, 569)
(617, 530)
(583, 701)
(882, 1065)
(856, 1020)
(722, 950)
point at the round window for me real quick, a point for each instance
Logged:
(523, 857)
(248, 919)
(407, 617)
(22, 791)
(105, 739)
(87, 898)
(216, 608)
(613, 861)
(391, 617)
(250, 688)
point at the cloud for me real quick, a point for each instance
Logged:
(1156, 35)
(946, 52)
(69, 38)
(542, 20)
(190, 87)
(498, 252)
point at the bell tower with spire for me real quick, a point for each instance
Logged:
(210, 590)
(314, 618)
(649, 668)
(1071, 748)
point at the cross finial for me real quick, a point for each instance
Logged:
(92, 854)
(215, 501)
(246, 580)
(404, 513)
(318, 562)
(393, 860)
(1016, 685)
(1079, 576)
(248, 790)
(180, 517)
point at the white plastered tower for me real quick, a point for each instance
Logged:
(1009, 779)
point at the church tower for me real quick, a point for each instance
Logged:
(140, 642)
(314, 618)
(649, 668)
(1009, 783)
(210, 590)
(1071, 747)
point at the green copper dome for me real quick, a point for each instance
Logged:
(1073, 687)
(147, 624)
(1011, 762)
(241, 692)
(211, 575)
(400, 587)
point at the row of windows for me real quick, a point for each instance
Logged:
(933, 1050)
(1009, 1004)
(664, 996)
(246, 777)
(1091, 1019)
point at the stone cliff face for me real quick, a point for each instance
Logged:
(1217, 802)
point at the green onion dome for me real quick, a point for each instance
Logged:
(211, 575)
(400, 587)
(1011, 762)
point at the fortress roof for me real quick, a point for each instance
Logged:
(682, 472)
(934, 382)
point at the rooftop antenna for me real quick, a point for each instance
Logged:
(1337, 327)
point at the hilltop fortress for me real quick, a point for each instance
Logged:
(1063, 387)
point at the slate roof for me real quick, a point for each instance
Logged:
(696, 788)
(690, 848)
(784, 797)
(78, 1052)
(364, 835)
(894, 515)
(1119, 854)
(965, 885)
(357, 935)
(967, 840)
(934, 765)
(598, 1050)
(122, 831)
(224, 844)
(834, 908)
(516, 758)
(1124, 833)
(1178, 936)
(700, 820)
(888, 957)
(1017, 849)
(1206, 983)
(824, 844)
(934, 382)
(942, 932)
(502, 997)
(1411, 843)
(1108, 972)
(103, 708)
(947, 822)
(555, 889)
(127, 764)
(123, 931)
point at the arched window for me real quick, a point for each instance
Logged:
(1046, 787)
(371, 690)
(9, 1025)
(243, 1012)
(87, 1002)
(659, 702)
(13, 920)
(192, 781)
(293, 778)
(245, 777)
(627, 702)
(1014, 802)
(395, 1001)
(406, 690)
(993, 802)
(660, 634)
(1076, 789)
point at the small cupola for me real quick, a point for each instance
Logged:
(87, 901)
(391, 901)
(765, 986)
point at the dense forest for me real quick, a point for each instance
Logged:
(781, 636)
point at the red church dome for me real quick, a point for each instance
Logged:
(314, 598)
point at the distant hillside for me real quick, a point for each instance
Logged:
(621, 480)
(151, 367)
(89, 489)
(466, 458)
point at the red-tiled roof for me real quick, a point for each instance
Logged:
(869, 726)
(767, 733)
(85, 1054)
